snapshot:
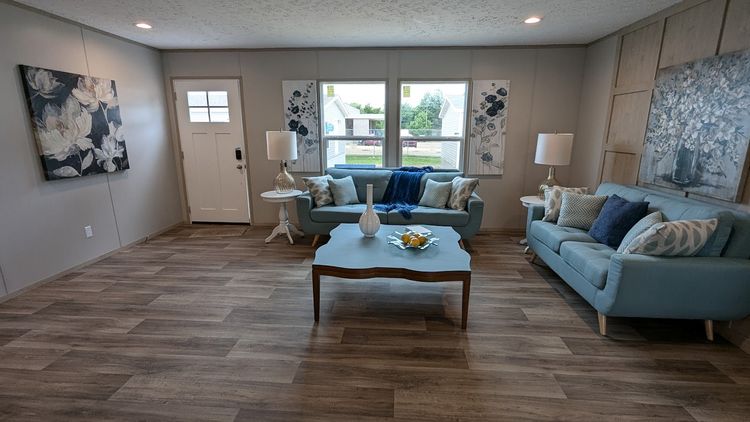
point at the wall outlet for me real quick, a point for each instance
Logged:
(88, 231)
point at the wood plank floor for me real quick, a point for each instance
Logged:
(208, 323)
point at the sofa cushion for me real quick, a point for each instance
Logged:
(319, 189)
(631, 193)
(436, 194)
(641, 226)
(343, 191)
(552, 235)
(580, 211)
(342, 214)
(553, 200)
(617, 217)
(437, 176)
(591, 260)
(674, 209)
(435, 216)
(674, 238)
(362, 177)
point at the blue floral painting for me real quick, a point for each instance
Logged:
(489, 117)
(76, 122)
(699, 127)
(301, 116)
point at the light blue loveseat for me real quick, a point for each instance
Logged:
(321, 220)
(701, 287)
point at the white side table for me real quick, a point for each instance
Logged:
(528, 201)
(284, 227)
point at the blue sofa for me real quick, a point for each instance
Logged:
(619, 285)
(321, 220)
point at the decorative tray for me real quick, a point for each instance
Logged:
(412, 240)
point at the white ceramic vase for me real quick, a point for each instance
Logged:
(369, 223)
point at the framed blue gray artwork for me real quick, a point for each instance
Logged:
(76, 122)
(699, 127)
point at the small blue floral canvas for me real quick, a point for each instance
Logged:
(699, 127)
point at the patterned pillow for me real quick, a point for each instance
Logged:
(436, 194)
(319, 189)
(641, 226)
(580, 210)
(461, 190)
(553, 200)
(674, 238)
(343, 190)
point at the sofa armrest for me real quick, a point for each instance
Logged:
(475, 208)
(676, 287)
(536, 212)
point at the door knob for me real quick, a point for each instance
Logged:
(239, 166)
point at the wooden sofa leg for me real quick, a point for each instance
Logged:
(602, 323)
(709, 325)
(315, 240)
(533, 256)
(461, 244)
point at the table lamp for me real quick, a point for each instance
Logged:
(282, 146)
(552, 149)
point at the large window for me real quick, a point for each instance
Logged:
(353, 123)
(432, 121)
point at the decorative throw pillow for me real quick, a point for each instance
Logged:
(617, 216)
(641, 226)
(674, 238)
(318, 187)
(436, 194)
(579, 210)
(343, 191)
(461, 190)
(553, 201)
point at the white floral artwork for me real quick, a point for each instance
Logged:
(489, 122)
(699, 127)
(76, 122)
(301, 116)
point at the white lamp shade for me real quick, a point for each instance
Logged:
(554, 149)
(281, 145)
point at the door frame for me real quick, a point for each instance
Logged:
(177, 143)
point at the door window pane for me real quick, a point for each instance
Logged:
(196, 99)
(219, 114)
(218, 99)
(198, 114)
(366, 153)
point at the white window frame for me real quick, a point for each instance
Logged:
(325, 138)
(208, 108)
(460, 139)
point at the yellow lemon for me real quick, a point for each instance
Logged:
(422, 240)
(414, 242)
(405, 238)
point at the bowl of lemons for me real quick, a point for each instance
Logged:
(412, 240)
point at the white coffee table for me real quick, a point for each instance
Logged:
(284, 227)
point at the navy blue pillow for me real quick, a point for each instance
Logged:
(615, 219)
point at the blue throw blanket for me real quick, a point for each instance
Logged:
(402, 192)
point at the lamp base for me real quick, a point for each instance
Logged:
(284, 182)
(549, 182)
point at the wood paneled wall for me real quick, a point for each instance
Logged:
(693, 30)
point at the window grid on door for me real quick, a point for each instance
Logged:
(208, 106)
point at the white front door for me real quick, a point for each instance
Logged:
(209, 117)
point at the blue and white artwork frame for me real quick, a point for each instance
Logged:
(489, 125)
(699, 127)
(301, 115)
(76, 123)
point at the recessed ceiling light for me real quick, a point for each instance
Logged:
(533, 19)
(143, 25)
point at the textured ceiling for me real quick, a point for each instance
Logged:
(352, 23)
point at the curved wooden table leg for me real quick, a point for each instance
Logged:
(316, 293)
(465, 302)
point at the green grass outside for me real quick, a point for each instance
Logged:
(408, 160)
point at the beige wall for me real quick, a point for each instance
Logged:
(545, 90)
(41, 228)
